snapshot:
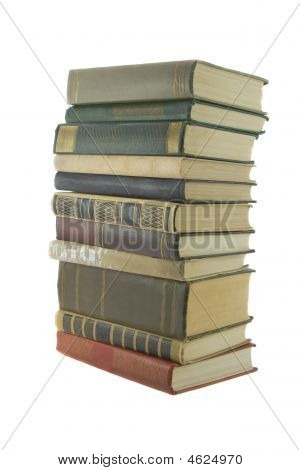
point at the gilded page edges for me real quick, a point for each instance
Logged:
(173, 138)
(66, 139)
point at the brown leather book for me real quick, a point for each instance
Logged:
(152, 243)
(163, 375)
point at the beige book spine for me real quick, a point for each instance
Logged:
(122, 165)
(72, 252)
(156, 214)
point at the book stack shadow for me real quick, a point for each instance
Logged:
(152, 209)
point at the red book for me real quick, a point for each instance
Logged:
(154, 372)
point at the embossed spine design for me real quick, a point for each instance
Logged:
(144, 216)
(119, 335)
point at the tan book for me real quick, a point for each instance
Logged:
(153, 214)
(154, 167)
(182, 270)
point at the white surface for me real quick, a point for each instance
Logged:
(83, 410)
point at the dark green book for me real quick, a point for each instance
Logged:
(185, 110)
(164, 189)
(176, 309)
(154, 138)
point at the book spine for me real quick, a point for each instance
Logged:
(127, 138)
(165, 189)
(146, 370)
(131, 214)
(122, 165)
(115, 112)
(89, 255)
(118, 237)
(118, 335)
(156, 305)
(143, 82)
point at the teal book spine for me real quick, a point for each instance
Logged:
(156, 111)
(121, 138)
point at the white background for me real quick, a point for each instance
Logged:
(82, 410)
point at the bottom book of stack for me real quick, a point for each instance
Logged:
(169, 365)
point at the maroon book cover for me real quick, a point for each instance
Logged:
(147, 370)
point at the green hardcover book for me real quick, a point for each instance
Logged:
(184, 352)
(176, 309)
(166, 81)
(154, 138)
(185, 110)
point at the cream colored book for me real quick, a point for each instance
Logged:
(181, 270)
(155, 167)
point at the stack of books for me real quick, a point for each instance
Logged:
(153, 168)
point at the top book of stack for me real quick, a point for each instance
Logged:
(180, 80)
